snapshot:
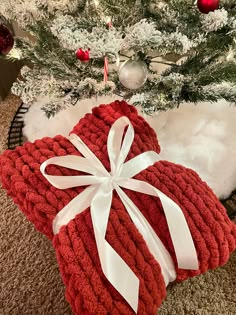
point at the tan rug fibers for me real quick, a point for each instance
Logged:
(30, 283)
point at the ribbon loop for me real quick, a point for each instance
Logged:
(138, 164)
(118, 150)
(99, 197)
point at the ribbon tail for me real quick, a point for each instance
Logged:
(118, 272)
(181, 237)
(112, 264)
(153, 242)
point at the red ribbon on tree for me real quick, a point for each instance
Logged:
(109, 25)
(105, 69)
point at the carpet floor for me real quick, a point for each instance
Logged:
(30, 283)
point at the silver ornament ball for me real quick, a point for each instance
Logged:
(133, 74)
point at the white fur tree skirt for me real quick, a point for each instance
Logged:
(201, 137)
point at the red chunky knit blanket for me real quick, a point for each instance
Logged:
(87, 289)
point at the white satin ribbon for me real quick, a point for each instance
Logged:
(98, 196)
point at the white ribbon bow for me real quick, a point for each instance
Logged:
(98, 196)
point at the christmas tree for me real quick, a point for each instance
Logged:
(86, 48)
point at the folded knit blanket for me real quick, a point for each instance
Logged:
(87, 289)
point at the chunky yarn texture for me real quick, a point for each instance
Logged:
(87, 289)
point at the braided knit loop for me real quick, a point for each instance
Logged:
(87, 289)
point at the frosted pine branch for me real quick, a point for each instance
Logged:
(224, 90)
(215, 20)
(142, 36)
(24, 12)
(64, 6)
(100, 41)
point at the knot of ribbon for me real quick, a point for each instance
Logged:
(98, 196)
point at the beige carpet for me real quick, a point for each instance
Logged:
(30, 280)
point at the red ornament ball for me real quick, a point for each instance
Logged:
(206, 6)
(6, 40)
(83, 55)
